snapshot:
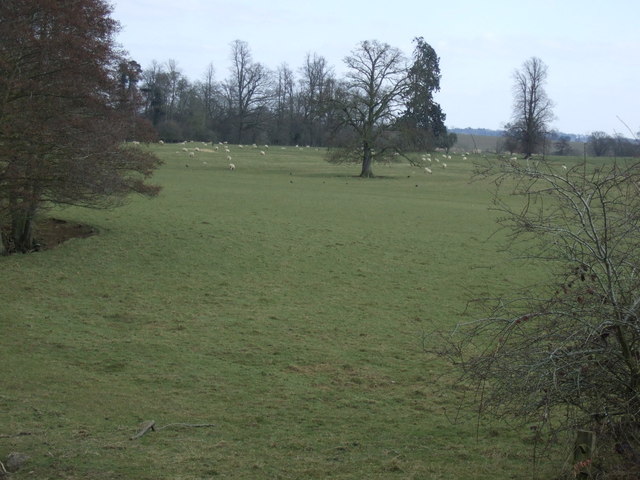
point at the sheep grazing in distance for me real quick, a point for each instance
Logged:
(444, 165)
(197, 149)
(185, 149)
(564, 167)
(232, 166)
(262, 152)
(228, 158)
(427, 170)
(160, 142)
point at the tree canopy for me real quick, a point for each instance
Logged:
(68, 102)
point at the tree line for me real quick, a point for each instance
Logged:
(255, 104)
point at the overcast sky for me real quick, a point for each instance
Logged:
(591, 48)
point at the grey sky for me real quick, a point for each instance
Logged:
(591, 48)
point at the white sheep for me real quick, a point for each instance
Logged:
(228, 158)
(232, 166)
(427, 170)
(262, 152)
(184, 149)
(192, 154)
(444, 165)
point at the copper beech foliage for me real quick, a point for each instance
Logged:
(68, 103)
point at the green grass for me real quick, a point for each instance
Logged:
(288, 302)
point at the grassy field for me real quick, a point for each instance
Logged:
(288, 306)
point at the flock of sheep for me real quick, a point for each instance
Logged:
(427, 160)
(224, 147)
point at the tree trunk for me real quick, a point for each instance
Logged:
(367, 161)
(17, 235)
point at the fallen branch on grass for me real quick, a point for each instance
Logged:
(151, 426)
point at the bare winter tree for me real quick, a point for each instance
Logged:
(370, 99)
(532, 108)
(600, 143)
(66, 102)
(247, 90)
(565, 355)
(317, 84)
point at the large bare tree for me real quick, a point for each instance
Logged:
(532, 108)
(247, 90)
(370, 98)
(66, 104)
(317, 84)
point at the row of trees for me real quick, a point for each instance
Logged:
(252, 105)
(385, 102)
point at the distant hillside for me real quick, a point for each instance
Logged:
(486, 132)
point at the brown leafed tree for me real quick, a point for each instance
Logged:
(67, 104)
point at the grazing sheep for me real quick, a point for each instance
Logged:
(192, 154)
(444, 165)
(232, 166)
(262, 152)
(184, 149)
(228, 158)
(427, 170)
(564, 167)
(160, 142)
(197, 149)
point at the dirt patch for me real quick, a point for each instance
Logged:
(51, 232)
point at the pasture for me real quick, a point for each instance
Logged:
(278, 320)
